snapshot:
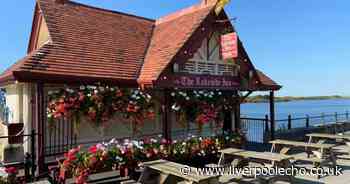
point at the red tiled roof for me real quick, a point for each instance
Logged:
(89, 44)
(88, 41)
(169, 36)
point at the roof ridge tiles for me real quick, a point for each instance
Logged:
(182, 12)
(104, 10)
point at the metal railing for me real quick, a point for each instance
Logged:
(255, 129)
(29, 161)
(258, 130)
(309, 121)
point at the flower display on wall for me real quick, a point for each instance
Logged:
(201, 106)
(100, 104)
(8, 175)
(129, 154)
(139, 108)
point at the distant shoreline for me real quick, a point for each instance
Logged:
(265, 98)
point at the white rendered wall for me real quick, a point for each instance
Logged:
(18, 99)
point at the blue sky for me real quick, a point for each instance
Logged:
(302, 44)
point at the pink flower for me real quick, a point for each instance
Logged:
(147, 141)
(164, 141)
(100, 147)
(81, 96)
(148, 154)
(62, 175)
(156, 151)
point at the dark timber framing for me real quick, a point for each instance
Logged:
(166, 115)
(272, 114)
(40, 119)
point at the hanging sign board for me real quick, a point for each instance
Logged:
(229, 46)
(185, 81)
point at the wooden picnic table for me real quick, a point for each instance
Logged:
(171, 172)
(334, 126)
(323, 153)
(327, 136)
(287, 143)
(266, 158)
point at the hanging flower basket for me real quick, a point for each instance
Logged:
(100, 103)
(201, 107)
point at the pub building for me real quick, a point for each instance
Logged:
(73, 44)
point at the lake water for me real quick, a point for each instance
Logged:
(297, 108)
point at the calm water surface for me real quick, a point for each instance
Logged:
(297, 108)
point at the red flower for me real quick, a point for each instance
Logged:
(131, 108)
(202, 119)
(211, 114)
(207, 142)
(71, 155)
(82, 178)
(92, 114)
(93, 149)
(11, 170)
(74, 151)
(151, 115)
(119, 93)
(61, 108)
(66, 163)
(92, 161)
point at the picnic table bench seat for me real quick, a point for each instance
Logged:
(129, 182)
(304, 157)
(171, 171)
(342, 137)
(40, 182)
(265, 159)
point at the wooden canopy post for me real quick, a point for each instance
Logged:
(166, 123)
(272, 114)
(237, 112)
(40, 115)
(227, 120)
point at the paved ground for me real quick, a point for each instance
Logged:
(344, 178)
